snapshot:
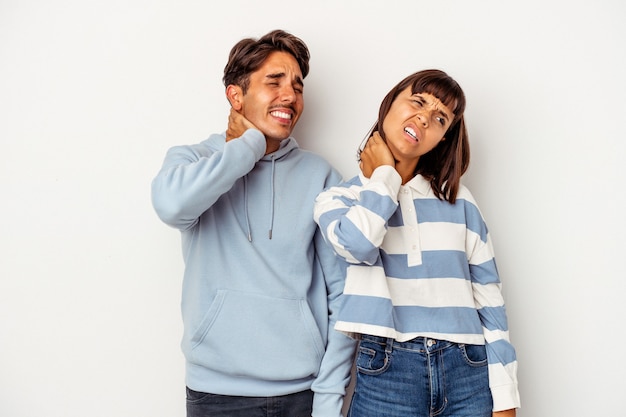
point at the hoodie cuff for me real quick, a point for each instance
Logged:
(327, 405)
(255, 139)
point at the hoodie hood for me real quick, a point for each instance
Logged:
(216, 143)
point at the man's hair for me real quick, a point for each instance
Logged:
(249, 54)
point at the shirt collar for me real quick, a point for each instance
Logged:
(419, 184)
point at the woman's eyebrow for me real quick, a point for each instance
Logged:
(441, 112)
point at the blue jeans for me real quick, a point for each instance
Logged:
(420, 378)
(200, 404)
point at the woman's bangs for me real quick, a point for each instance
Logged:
(445, 89)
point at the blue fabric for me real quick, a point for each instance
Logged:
(420, 378)
(259, 281)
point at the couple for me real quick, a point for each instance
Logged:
(283, 260)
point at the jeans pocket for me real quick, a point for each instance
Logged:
(474, 355)
(372, 358)
(195, 397)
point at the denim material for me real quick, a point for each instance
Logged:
(200, 404)
(420, 378)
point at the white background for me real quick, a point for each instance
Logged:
(92, 93)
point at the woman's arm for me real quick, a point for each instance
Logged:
(353, 216)
(505, 413)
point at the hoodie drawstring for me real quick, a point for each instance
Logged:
(245, 202)
(272, 197)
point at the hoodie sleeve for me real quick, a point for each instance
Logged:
(334, 375)
(193, 177)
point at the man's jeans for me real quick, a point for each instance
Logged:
(420, 378)
(200, 404)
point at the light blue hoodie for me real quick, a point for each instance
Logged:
(259, 280)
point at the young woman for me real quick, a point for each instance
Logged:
(422, 290)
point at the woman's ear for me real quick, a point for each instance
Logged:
(234, 94)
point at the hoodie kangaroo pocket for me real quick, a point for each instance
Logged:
(252, 335)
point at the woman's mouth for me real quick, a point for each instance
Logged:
(411, 133)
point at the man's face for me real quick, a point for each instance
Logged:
(274, 100)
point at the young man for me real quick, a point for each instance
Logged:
(261, 287)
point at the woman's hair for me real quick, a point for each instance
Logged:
(249, 54)
(444, 165)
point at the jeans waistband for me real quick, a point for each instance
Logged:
(422, 344)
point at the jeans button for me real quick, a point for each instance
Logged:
(430, 342)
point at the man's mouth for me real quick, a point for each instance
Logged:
(411, 133)
(281, 114)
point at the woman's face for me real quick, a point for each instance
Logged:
(415, 124)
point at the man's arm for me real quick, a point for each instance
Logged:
(193, 177)
(334, 375)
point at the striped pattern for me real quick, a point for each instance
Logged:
(418, 266)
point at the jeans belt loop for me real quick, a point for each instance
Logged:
(389, 345)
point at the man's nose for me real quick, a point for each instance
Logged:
(287, 94)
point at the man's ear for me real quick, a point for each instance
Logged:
(234, 94)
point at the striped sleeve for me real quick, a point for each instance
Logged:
(353, 216)
(492, 312)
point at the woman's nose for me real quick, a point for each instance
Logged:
(423, 118)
